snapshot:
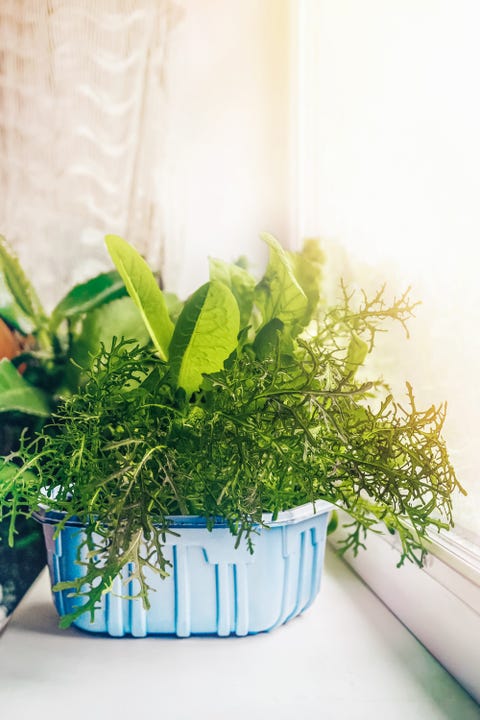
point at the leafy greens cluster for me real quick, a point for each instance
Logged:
(247, 403)
(42, 345)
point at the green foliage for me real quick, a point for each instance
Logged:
(240, 282)
(88, 296)
(144, 291)
(97, 328)
(205, 335)
(91, 312)
(308, 270)
(24, 298)
(18, 395)
(357, 352)
(279, 294)
(233, 428)
(174, 305)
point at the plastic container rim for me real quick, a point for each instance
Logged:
(287, 517)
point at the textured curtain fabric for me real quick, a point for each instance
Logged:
(80, 131)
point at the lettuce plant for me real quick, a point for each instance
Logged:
(247, 400)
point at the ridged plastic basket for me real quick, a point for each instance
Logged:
(213, 588)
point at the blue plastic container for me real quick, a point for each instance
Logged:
(213, 588)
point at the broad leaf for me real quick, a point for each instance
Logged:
(8, 470)
(240, 282)
(11, 312)
(88, 295)
(174, 305)
(267, 339)
(18, 285)
(144, 291)
(356, 353)
(205, 335)
(308, 269)
(119, 318)
(278, 294)
(17, 395)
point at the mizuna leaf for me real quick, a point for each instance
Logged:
(17, 395)
(25, 299)
(144, 291)
(279, 294)
(89, 295)
(205, 335)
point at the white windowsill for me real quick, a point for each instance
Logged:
(347, 656)
(439, 604)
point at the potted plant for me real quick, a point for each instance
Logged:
(36, 353)
(184, 488)
(37, 348)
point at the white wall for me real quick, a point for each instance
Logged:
(226, 171)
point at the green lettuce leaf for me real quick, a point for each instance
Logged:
(308, 270)
(17, 395)
(205, 335)
(356, 353)
(144, 291)
(11, 313)
(119, 318)
(240, 282)
(87, 296)
(174, 305)
(279, 294)
(267, 339)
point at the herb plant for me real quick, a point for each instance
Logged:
(246, 401)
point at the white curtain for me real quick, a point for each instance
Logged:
(165, 121)
(80, 130)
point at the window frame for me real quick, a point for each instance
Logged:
(439, 603)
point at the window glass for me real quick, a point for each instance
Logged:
(389, 160)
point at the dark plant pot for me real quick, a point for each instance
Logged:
(20, 565)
